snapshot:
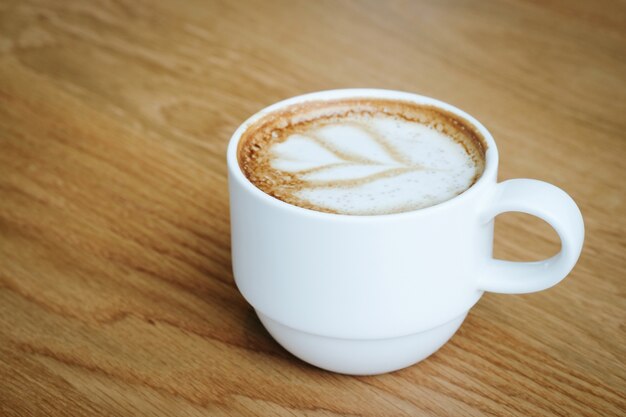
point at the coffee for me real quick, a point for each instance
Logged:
(362, 156)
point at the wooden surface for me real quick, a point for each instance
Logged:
(116, 290)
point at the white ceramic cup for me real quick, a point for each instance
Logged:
(372, 294)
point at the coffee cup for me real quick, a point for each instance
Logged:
(368, 294)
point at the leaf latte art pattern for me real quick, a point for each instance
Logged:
(360, 163)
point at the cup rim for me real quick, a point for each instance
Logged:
(236, 173)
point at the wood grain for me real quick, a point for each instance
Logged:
(116, 292)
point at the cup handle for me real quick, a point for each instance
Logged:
(557, 208)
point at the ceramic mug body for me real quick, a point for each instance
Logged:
(371, 294)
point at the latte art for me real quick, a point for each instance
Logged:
(362, 157)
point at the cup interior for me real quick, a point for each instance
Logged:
(236, 173)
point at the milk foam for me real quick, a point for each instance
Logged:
(373, 164)
(361, 156)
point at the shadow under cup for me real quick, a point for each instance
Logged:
(375, 293)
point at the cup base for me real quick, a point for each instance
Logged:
(361, 356)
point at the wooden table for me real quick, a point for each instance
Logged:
(116, 290)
